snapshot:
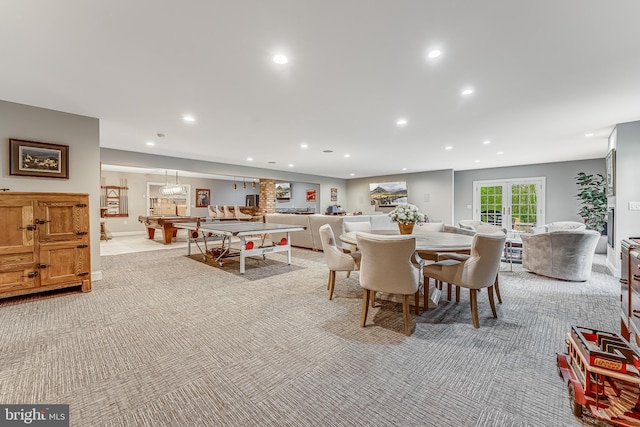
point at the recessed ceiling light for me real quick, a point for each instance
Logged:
(304, 146)
(499, 152)
(404, 169)
(352, 174)
(434, 53)
(327, 151)
(467, 91)
(448, 148)
(290, 165)
(347, 155)
(151, 143)
(250, 159)
(280, 59)
(476, 161)
(188, 118)
(401, 122)
(486, 142)
(588, 135)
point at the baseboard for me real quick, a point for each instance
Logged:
(615, 272)
(96, 275)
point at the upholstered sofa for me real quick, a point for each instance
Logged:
(310, 237)
(562, 254)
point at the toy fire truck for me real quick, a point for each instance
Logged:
(601, 372)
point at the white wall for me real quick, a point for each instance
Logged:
(81, 134)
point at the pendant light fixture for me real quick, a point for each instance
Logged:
(253, 183)
(171, 191)
(244, 184)
(234, 186)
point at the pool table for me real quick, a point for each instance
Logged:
(166, 224)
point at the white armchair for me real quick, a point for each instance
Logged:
(387, 266)
(562, 254)
(336, 259)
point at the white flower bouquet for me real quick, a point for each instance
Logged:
(406, 214)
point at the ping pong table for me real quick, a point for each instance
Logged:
(204, 232)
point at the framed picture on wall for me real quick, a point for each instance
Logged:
(203, 197)
(311, 195)
(610, 167)
(30, 158)
(334, 194)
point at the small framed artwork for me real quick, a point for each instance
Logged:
(334, 194)
(311, 195)
(610, 167)
(30, 158)
(203, 197)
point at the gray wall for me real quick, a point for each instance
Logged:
(627, 187)
(561, 203)
(81, 134)
(299, 197)
(222, 193)
(128, 158)
(431, 191)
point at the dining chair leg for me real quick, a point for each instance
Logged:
(448, 291)
(458, 294)
(497, 289)
(348, 274)
(417, 302)
(491, 302)
(332, 283)
(405, 315)
(425, 290)
(365, 307)
(372, 298)
(473, 298)
(329, 281)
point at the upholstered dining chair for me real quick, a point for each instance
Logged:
(387, 266)
(240, 215)
(336, 259)
(478, 271)
(227, 212)
(355, 226)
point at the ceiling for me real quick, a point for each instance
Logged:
(544, 73)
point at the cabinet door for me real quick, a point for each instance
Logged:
(17, 244)
(63, 221)
(63, 263)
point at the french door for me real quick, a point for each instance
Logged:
(515, 204)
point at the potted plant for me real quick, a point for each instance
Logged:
(407, 215)
(593, 200)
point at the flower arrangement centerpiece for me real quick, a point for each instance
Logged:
(407, 215)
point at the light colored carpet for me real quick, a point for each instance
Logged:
(165, 340)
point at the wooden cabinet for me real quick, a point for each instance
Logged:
(44, 242)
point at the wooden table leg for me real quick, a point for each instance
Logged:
(151, 232)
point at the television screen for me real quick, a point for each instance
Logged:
(283, 190)
(388, 193)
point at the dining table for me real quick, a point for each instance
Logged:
(428, 245)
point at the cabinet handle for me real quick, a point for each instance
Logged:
(82, 246)
(81, 205)
(42, 221)
(636, 277)
(84, 273)
(31, 274)
(30, 227)
(81, 233)
(624, 281)
(41, 265)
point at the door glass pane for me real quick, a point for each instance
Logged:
(491, 204)
(523, 207)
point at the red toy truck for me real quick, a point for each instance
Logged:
(601, 371)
